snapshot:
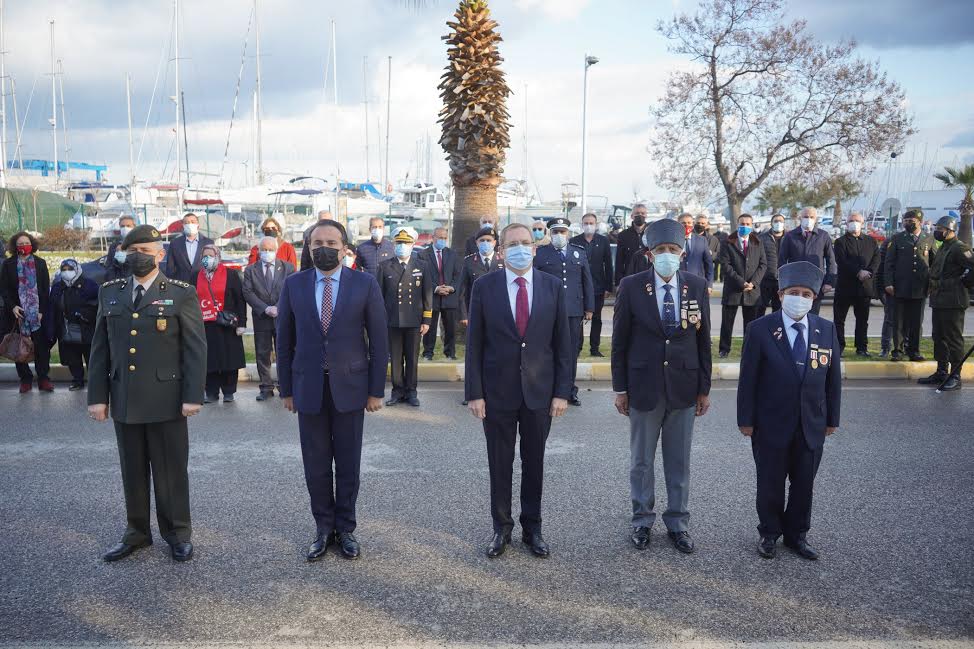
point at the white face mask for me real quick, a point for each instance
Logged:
(376, 234)
(807, 223)
(349, 261)
(559, 240)
(268, 256)
(190, 229)
(124, 230)
(588, 228)
(854, 227)
(778, 226)
(796, 306)
(68, 275)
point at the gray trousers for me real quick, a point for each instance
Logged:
(645, 428)
(263, 346)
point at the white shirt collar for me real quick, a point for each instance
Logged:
(512, 276)
(660, 282)
(788, 321)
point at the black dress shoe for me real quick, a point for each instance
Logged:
(537, 544)
(348, 545)
(452, 357)
(208, 399)
(681, 541)
(640, 537)
(392, 401)
(596, 354)
(574, 402)
(802, 549)
(766, 548)
(76, 385)
(319, 546)
(723, 354)
(264, 396)
(428, 357)
(122, 550)
(413, 401)
(896, 356)
(498, 543)
(917, 358)
(463, 403)
(863, 353)
(953, 383)
(934, 379)
(182, 551)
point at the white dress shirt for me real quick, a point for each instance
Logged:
(674, 291)
(512, 289)
(790, 331)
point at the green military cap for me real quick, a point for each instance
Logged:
(141, 234)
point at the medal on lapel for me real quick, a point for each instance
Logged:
(649, 289)
(777, 333)
(161, 324)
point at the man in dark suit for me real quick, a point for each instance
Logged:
(407, 290)
(661, 368)
(185, 257)
(444, 268)
(744, 264)
(788, 398)
(569, 264)
(599, 254)
(148, 363)
(697, 259)
(262, 284)
(771, 240)
(376, 250)
(702, 227)
(332, 353)
(857, 259)
(518, 377)
(475, 266)
(471, 245)
(909, 256)
(806, 243)
(630, 241)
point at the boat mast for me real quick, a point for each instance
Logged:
(13, 96)
(64, 122)
(3, 105)
(259, 156)
(388, 118)
(365, 102)
(178, 98)
(128, 103)
(256, 132)
(54, 104)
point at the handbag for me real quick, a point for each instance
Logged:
(17, 347)
(223, 318)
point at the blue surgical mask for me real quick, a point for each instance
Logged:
(519, 257)
(485, 247)
(537, 234)
(666, 263)
(209, 262)
(120, 256)
(439, 244)
(403, 250)
(268, 256)
(744, 231)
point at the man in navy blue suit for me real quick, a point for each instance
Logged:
(697, 259)
(788, 401)
(332, 351)
(661, 369)
(808, 243)
(518, 377)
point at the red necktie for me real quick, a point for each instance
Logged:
(744, 246)
(521, 307)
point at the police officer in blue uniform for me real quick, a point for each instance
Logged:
(569, 263)
(788, 400)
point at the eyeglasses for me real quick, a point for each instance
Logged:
(537, 230)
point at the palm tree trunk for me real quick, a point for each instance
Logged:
(966, 217)
(470, 204)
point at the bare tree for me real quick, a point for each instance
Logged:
(762, 98)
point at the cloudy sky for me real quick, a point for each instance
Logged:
(922, 45)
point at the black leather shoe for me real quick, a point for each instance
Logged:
(952, 384)
(319, 546)
(76, 385)
(348, 545)
(802, 549)
(574, 401)
(681, 541)
(264, 396)
(182, 551)
(863, 353)
(463, 403)
(896, 356)
(392, 401)
(596, 354)
(122, 550)
(723, 354)
(766, 548)
(640, 537)
(934, 379)
(452, 357)
(917, 358)
(497, 545)
(537, 544)
(208, 399)
(428, 357)
(413, 401)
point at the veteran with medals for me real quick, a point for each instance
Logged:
(788, 400)
(661, 372)
(148, 364)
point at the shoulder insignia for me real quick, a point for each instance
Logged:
(112, 281)
(179, 283)
(577, 245)
(471, 255)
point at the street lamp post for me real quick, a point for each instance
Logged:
(589, 62)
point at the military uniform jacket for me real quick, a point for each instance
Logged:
(907, 265)
(407, 292)
(947, 276)
(147, 362)
(473, 269)
(573, 272)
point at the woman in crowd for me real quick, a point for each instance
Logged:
(26, 288)
(220, 292)
(74, 303)
(285, 251)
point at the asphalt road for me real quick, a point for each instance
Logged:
(893, 518)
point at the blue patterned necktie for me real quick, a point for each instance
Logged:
(798, 349)
(669, 311)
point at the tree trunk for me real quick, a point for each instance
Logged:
(736, 204)
(470, 204)
(966, 217)
(837, 213)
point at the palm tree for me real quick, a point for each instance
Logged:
(474, 115)
(838, 188)
(964, 179)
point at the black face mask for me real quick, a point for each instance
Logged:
(910, 226)
(270, 233)
(939, 235)
(140, 263)
(638, 220)
(699, 229)
(325, 258)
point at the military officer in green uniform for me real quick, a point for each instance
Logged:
(148, 362)
(906, 275)
(950, 278)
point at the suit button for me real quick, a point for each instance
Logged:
(524, 344)
(665, 363)
(135, 315)
(131, 350)
(131, 368)
(134, 332)
(667, 341)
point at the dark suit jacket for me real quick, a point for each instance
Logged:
(505, 369)
(771, 245)
(737, 270)
(816, 249)
(599, 261)
(628, 243)
(8, 284)
(645, 362)
(771, 394)
(259, 295)
(357, 343)
(452, 270)
(178, 265)
(854, 254)
(699, 260)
